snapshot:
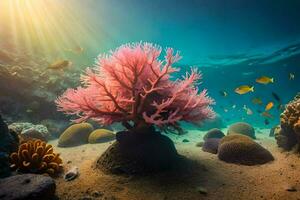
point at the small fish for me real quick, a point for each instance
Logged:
(264, 80)
(60, 64)
(266, 114)
(248, 110)
(291, 76)
(225, 110)
(223, 93)
(247, 73)
(257, 101)
(244, 89)
(276, 97)
(269, 106)
(233, 106)
(76, 50)
(267, 122)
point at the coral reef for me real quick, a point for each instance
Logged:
(211, 145)
(213, 133)
(76, 134)
(242, 128)
(27, 131)
(28, 90)
(133, 85)
(241, 149)
(101, 135)
(289, 135)
(35, 156)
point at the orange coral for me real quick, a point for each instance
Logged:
(289, 135)
(35, 156)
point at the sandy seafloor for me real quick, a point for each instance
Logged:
(222, 181)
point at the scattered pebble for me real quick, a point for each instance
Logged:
(71, 174)
(202, 190)
(96, 193)
(185, 140)
(291, 188)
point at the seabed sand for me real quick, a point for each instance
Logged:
(221, 180)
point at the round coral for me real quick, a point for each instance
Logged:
(213, 133)
(243, 129)
(35, 156)
(243, 150)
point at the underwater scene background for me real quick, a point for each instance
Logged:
(232, 43)
(248, 55)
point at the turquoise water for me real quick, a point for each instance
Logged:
(231, 42)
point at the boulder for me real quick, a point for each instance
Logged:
(75, 135)
(241, 149)
(101, 135)
(27, 187)
(242, 128)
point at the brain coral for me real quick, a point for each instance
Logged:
(213, 133)
(211, 145)
(35, 156)
(243, 150)
(242, 128)
(289, 135)
(76, 134)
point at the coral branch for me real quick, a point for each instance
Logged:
(133, 85)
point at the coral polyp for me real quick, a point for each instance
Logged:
(36, 156)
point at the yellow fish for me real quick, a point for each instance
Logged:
(244, 89)
(264, 80)
(269, 106)
(60, 64)
(291, 76)
(257, 100)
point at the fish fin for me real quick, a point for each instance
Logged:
(272, 80)
(252, 89)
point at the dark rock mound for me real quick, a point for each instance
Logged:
(8, 139)
(4, 165)
(139, 153)
(211, 145)
(27, 187)
(213, 133)
(242, 128)
(243, 150)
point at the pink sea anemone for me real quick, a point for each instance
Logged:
(132, 85)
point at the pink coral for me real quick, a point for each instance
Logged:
(132, 86)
